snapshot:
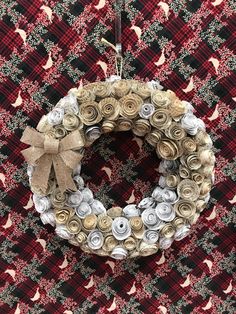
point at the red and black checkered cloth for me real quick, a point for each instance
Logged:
(48, 47)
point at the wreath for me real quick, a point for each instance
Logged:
(165, 122)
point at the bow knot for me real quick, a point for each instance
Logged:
(46, 152)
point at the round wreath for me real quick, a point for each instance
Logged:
(166, 122)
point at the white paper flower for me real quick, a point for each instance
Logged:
(154, 85)
(146, 203)
(121, 228)
(48, 217)
(30, 170)
(69, 103)
(165, 243)
(131, 210)
(41, 203)
(162, 182)
(150, 219)
(93, 133)
(150, 236)
(55, 117)
(191, 123)
(182, 232)
(83, 210)
(97, 207)
(157, 194)
(79, 182)
(165, 211)
(168, 166)
(189, 106)
(113, 78)
(169, 196)
(119, 253)
(62, 232)
(75, 199)
(95, 239)
(146, 110)
(87, 195)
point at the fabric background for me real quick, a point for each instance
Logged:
(48, 47)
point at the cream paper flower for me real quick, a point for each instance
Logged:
(160, 119)
(55, 116)
(109, 108)
(70, 121)
(165, 211)
(168, 149)
(89, 113)
(130, 106)
(188, 190)
(160, 99)
(121, 228)
(95, 239)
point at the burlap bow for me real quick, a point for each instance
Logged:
(46, 152)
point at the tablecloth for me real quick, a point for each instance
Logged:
(50, 46)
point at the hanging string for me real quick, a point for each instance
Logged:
(118, 45)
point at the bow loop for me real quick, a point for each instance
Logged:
(46, 152)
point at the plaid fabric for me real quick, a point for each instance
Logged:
(49, 47)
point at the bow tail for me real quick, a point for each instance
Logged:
(41, 173)
(63, 174)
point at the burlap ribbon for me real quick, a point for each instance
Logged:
(46, 152)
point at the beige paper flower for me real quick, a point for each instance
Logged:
(108, 126)
(110, 243)
(153, 137)
(121, 88)
(104, 223)
(71, 122)
(130, 243)
(146, 249)
(160, 98)
(124, 124)
(185, 209)
(203, 139)
(160, 119)
(184, 172)
(188, 145)
(168, 149)
(84, 95)
(109, 108)
(188, 190)
(137, 227)
(74, 225)
(89, 222)
(178, 222)
(63, 215)
(114, 212)
(102, 89)
(177, 109)
(141, 127)
(167, 231)
(89, 113)
(81, 237)
(205, 187)
(60, 131)
(130, 106)
(193, 161)
(141, 89)
(175, 132)
(197, 177)
(58, 198)
(172, 180)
